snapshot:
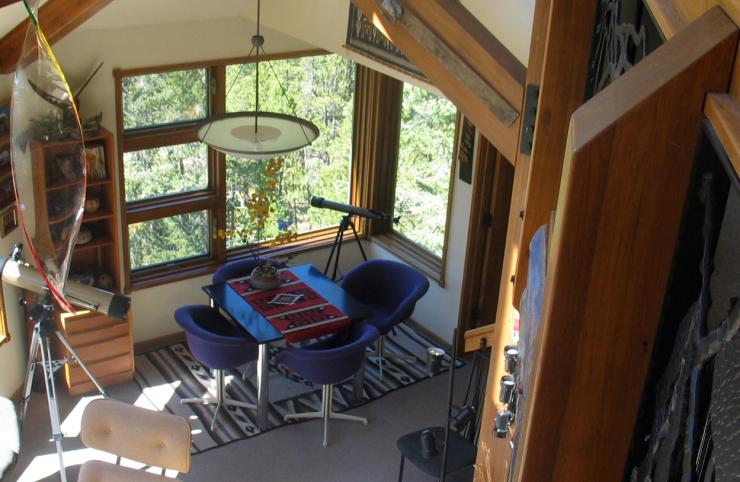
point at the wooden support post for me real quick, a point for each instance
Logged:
(494, 455)
(562, 89)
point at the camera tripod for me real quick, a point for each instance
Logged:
(337, 246)
(43, 330)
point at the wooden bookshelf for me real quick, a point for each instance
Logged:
(104, 344)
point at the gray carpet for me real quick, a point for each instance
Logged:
(170, 374)
(356, 453)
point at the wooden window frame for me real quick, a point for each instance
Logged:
(212, 198)
(406, 249)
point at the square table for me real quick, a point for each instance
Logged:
(233, 304)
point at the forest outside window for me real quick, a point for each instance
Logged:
(423, 187)
(186, 204)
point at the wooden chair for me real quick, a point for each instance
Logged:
(152, 438)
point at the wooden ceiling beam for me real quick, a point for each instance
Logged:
(5, 3)
(490, 110)
(57, 17)
(475, 44)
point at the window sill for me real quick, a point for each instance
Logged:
(418, 257)
(311, 241)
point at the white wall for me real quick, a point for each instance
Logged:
(510, 21)
(13, 353)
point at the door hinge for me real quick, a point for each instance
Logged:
(531, 97)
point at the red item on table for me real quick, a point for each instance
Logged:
(307, 315)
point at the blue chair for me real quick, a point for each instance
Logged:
(217, 344)
(243, 267)
(329, 361)
(391, 289)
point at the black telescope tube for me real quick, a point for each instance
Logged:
(320, 202)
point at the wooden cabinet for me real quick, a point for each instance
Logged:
(102, 343)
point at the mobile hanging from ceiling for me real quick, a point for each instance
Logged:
(258, 134)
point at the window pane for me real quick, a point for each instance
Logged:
(424, 164)
(322, 88)
(164, 98)
(168, 239)
(165, 170)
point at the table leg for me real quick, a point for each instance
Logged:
(263, 386)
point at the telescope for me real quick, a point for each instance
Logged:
(320, 202)
(23, 275)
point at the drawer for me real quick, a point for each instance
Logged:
(99, 333)
(104, 349)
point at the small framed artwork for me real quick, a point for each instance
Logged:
(4, 117)
(4, 154)
(8, 220)
(95, 163)
(7, 191)
(465, 150)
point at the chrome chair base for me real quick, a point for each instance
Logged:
(382, 355)
(219, 399)
(326, 412)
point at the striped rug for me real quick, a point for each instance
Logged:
(169, 374)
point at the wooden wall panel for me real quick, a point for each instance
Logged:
(618, 214)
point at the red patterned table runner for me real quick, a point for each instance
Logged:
(307, 314)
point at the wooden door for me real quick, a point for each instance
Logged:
(484, 258)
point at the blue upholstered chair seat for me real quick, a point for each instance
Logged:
(218, 345)
(329, 361)
(389, 288)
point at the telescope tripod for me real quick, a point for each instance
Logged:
(43, 314)
(337, 246)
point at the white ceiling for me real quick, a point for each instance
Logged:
(319, 22)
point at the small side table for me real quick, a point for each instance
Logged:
(460, 454)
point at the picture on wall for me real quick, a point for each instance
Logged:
(364, 38)
(95, 163)
(465, 150)
(4, 117)
(8, 220)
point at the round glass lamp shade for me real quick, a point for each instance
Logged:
(275, 134)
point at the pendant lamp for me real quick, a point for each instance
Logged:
(257, 134)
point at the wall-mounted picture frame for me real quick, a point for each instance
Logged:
(364, 38)
(4, 153)
(8, 220)
(4, 117)
(465, 151)
(95, 163)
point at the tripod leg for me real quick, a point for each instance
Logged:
(339, 249)
(357, 238)
(79, 361)
(51, 396)
(333, 247)
(30, 369)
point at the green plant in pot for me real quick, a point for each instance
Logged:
(259, 206)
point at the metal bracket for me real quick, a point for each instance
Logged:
(531, 96)
(393, 10)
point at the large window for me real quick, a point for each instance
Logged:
(322, 88)
(187, 205)
(426, 141)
